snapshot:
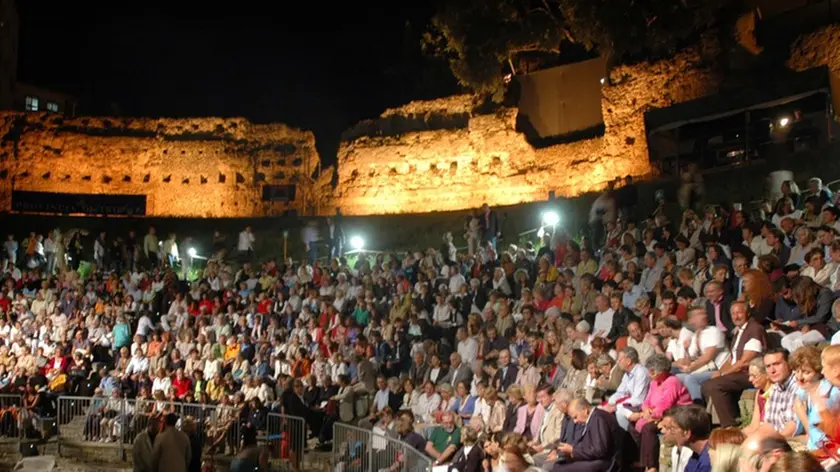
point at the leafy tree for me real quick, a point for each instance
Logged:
(478, 38)
(482, 38)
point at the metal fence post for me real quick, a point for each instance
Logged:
(58, 426)
(121, 423)
(371, 452)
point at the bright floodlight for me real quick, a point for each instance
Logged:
(603, 80)
(550, 218)
(356, 242)
(192, 252)
(541, 233)
(784, 121)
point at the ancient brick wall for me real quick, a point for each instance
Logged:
(441, 155)
(209, 167)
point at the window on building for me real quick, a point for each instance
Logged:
(31, 103)
(52, 106)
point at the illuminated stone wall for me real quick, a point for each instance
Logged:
(819, 48)
(210, 167)
(441, 155)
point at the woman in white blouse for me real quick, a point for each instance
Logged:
(411, 396)
(162, 382)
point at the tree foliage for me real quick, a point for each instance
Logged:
(480, 38)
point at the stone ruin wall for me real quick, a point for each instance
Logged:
(487, 160)
(209, 167)
(820, 48)
(426, 156)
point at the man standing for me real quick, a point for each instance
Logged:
(335, 235)
(151, 247)
(309, 237)
(171, 452)
(489, 225)
(143, 446)
(632, 390)
(245, 246)
(726, 385)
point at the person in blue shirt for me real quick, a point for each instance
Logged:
(815, 395)
(692, 427)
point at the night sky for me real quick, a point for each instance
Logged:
(321, 66)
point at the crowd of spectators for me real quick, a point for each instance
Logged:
(711, 335)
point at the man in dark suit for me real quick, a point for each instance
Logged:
(717, 307)
(418, 370)
(488, 222)
(506, 375)
(335, 237)
(748, 341)
(600, 445)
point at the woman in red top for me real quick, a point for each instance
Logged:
(181, 383)
(264, 304)
(205, 305)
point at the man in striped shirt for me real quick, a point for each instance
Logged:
(779, 410)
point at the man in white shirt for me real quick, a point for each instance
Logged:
(380, 402)
(137, 365)
(245, 246)
(456, 279)
(467, 346)
(707, 353)
(603, 322)
(144, 326)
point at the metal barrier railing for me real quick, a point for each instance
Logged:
(12, 417)
(286, 438)
(115, 421)
(362, 450)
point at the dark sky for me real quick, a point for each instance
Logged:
(316, 65)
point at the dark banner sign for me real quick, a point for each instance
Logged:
(68, 203)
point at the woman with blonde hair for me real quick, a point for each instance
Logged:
(491, 417)
(530, 415)
(759, 379)
(815, 394)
